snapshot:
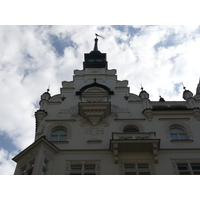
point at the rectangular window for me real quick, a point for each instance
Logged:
(89, 169)
(28, 169)
(137, 169)
(83, 169)
(45, 167)
(188, 168)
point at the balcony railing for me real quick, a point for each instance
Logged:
(133, 136)
(134, 142)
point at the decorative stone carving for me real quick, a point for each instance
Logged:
(40, 116)
(197, 114)
(148, 114)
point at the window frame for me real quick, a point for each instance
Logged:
(53, 134)
(136, 169)
(189, 168)
(129, 128)
(83, 165)
(183, 131)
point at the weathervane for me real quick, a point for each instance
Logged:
(98, 35)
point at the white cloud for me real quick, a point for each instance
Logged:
(7, 166)
(159, 57)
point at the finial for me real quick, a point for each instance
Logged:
(161, 99)
(183, 86)
(95, 80)
(48, 89)
(95, 44)
(141, 86)
(126, 97)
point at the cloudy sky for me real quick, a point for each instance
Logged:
(160, 58)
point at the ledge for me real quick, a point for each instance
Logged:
(181, 141)
(94, 141)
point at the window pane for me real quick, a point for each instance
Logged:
(63, 138)
(183, 136)
(195, 166)
(143, 167)
(76, 168)
(176, 130)
(129, 167)
(182, 166)
(174, 136)
(130, 129)
(59, 132)
(89, 168)
(54, 138)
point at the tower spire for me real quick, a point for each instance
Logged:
(198, 88)
(95, 45)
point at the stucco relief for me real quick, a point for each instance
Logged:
(91, 129)
(59, 124)
(116, 109)
(180, 124)
(136, 124)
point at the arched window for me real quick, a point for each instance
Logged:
(130, 129)
(59, 135)
(178, 133)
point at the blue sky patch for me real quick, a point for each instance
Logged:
(6, 143)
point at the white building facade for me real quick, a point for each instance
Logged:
(95, 126)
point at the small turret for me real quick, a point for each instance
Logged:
(44, 100)
(188, 96)
(145, 99)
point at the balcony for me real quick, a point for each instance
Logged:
(135, 142)
(94, 112)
